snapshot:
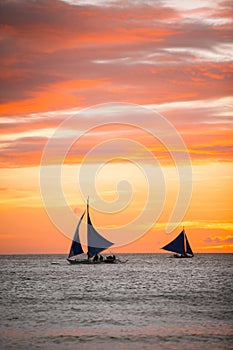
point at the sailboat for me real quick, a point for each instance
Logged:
(180, 246)
(96, 244)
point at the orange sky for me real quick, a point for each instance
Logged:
(58, 57)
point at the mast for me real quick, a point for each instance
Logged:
(185, 242)
(88, 219)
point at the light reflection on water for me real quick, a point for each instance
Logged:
(152, 302)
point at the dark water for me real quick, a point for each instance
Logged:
(151, 302)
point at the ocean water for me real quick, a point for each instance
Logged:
(150, 302)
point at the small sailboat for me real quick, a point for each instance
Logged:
(180, 246)
(96, 244)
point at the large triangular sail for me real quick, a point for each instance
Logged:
(96, 243)
(76, 248)
(179, 245)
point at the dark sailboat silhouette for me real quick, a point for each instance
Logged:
(96, 244)
(180, 245)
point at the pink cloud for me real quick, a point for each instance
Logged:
(50, 43)
(56, 55)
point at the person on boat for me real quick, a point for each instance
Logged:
(111, 257)
(96, 258)
(101, 258)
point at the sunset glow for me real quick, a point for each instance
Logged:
(58, 57)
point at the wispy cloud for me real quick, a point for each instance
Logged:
(79, 54)
(219, 240)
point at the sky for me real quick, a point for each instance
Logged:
(173, 57)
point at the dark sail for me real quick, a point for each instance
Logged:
(188, 248)
(96, 243)
(76, 247)
(177, 245)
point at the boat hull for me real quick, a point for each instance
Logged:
(90, 262)
(108, 261)
(182, 256)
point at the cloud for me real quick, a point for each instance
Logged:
(48, 45)
(23, 152)
(66, 55)
(205, 126)
(219, 240)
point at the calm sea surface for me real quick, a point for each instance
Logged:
(151, 302)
